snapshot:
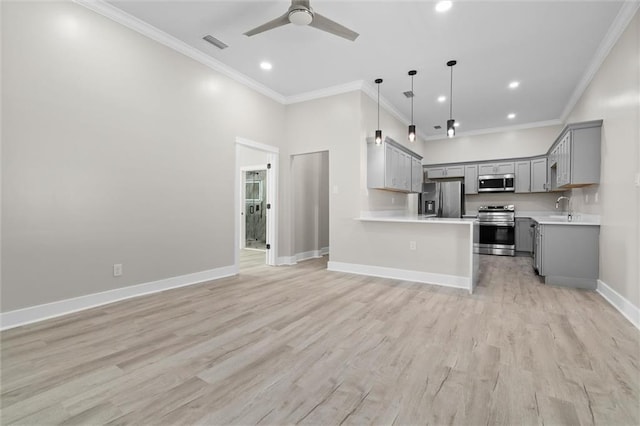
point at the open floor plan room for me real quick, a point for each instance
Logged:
(304, 345)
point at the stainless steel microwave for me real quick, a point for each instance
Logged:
(496, 183)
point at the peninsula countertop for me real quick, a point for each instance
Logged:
(403, 217)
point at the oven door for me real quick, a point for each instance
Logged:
(498, 238)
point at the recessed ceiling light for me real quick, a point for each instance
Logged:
(443, 6)
(514, 84)
(266, 65)
(511, 116)
(442, 98)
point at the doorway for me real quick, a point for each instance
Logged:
(256, 190)
(255, 217)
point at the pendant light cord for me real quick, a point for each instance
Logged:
(378, 105)
(451, 96)
(412, 95)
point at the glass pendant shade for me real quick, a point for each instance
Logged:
(451, 130)
(412, 132)
(378, 137)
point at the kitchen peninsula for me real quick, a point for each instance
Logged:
(417, 248)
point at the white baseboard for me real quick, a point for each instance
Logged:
(299, 257)
(37, 313)
(626, 308)
(286, 261)
(402, 274)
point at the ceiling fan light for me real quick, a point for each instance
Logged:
(451, 129)
(378, 137)
(300, 17)
(412, 132)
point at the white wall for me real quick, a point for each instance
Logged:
(310, 198)
(116, 149)
(538, 202)
(614, 96)
(491, 146)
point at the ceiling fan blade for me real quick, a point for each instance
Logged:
(326, 24)
(278, 22)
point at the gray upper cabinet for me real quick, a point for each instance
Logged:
(471, 179)
(538, 174)
(496, 168)
(390, 166)
(523, 176)
(442, 172)
(416, 175)
(574, 159)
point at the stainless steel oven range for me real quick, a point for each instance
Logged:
(497, 230)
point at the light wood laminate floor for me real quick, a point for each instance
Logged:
(300, 344)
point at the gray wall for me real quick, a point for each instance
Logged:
(116, 149)
(310, 182)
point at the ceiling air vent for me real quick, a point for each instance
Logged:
(217, 43)
(437, 127)
(408, 94)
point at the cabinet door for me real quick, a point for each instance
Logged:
(524, 239)
(486, 169)
(435, 172)
(523, 176)
(503, 168)
(390, 164)
(405, 171)
(455, 171)
(416, 175)
(566, 177)
(538, 175)
(471, 179)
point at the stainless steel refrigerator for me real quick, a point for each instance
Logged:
(442, 199)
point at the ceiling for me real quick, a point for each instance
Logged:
(548, 46)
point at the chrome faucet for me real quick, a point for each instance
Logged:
(569, 214)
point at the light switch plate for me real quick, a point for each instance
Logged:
(637, 180)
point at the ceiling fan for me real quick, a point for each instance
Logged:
(301, 13)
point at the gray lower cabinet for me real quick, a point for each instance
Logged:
(524, 235)
(568, 255)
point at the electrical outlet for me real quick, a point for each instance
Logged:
(117, 269)
(336, 190)
(637, 180)
(595, 198)
(393, 200)
(412, 245)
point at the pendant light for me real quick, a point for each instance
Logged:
(378, 132)
(451, 130)
(412, 127)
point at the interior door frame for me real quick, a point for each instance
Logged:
(273, 154)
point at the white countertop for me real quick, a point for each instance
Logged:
(559, 218)
(403, 217)
(577, 219)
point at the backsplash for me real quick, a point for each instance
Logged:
(525, 202)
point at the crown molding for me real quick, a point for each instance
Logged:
(525, 126)
(118, 15)
(324, 93)
(620, 23)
